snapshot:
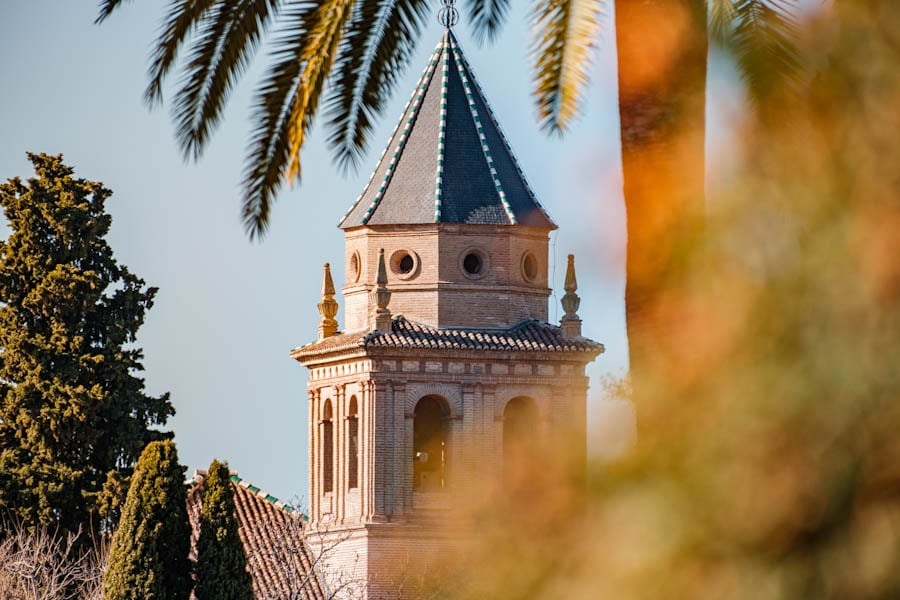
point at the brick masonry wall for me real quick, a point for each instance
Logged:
(375, 531)
(387, 385)
(341, 556)
(382, 562)
(438, 291)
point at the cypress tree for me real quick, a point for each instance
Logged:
(73, 414)
(148, 558)
(221, 570)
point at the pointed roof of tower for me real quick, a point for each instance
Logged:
(447, 160)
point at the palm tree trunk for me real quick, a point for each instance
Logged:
(662, 54)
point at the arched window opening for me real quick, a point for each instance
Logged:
(519, 441)
(327, 448)
(429, 445)
(352, 444)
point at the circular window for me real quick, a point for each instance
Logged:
(474, 263)
(404, 264)
(353, 271)
(529, 266)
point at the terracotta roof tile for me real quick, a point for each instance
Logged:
(528, 336)
(280, 562)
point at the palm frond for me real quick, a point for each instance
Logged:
(182, 17)
(373, 55)
(319, 54)
(107, 7)
(287, 101)
(487, 17)
(761, 40)
(721, 19)
(227, 38)
(347, 121)
(268, 148)
(564, 38)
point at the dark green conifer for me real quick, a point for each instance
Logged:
(221, 570)
(148, 559)
(72, 410)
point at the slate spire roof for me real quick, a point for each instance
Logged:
(447, 161)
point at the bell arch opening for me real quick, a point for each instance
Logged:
(430, 444)
(520, 447)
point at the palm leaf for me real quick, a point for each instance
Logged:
(565, 32)
(287, 101)
(373, 56)
(227, 38)
(107, 7)
(761, 39)
(182, 17)
(268, 151)
(487, 17)
(318, 57)
(721, 19)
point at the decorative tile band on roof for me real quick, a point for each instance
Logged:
(407, 126)
(262, 494)
(528, 336)
(447, 160)
(413, 101)
(478, 127)
(515, 160)
(278, 557)
(442, 134)
(200, 477)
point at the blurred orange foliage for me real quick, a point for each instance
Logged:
(768, 462)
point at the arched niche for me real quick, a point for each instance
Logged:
(520, 440)
(430, 444)
(327, 453)
(450, 394)
(352, 443)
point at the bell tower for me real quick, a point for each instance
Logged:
(447, 375)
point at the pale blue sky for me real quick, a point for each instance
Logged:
(228, 310)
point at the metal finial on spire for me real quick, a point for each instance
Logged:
(328, 306)
(381, 296)
(448, 16)
(571, 322)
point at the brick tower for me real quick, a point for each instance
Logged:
(447, 373)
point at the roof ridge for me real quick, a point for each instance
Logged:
(496, 123)
(358, 334)
(199, 479)
(260, 493)
(519, 325)
(415, 97)
(531, 320)
(442, 128)
(473, 110)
